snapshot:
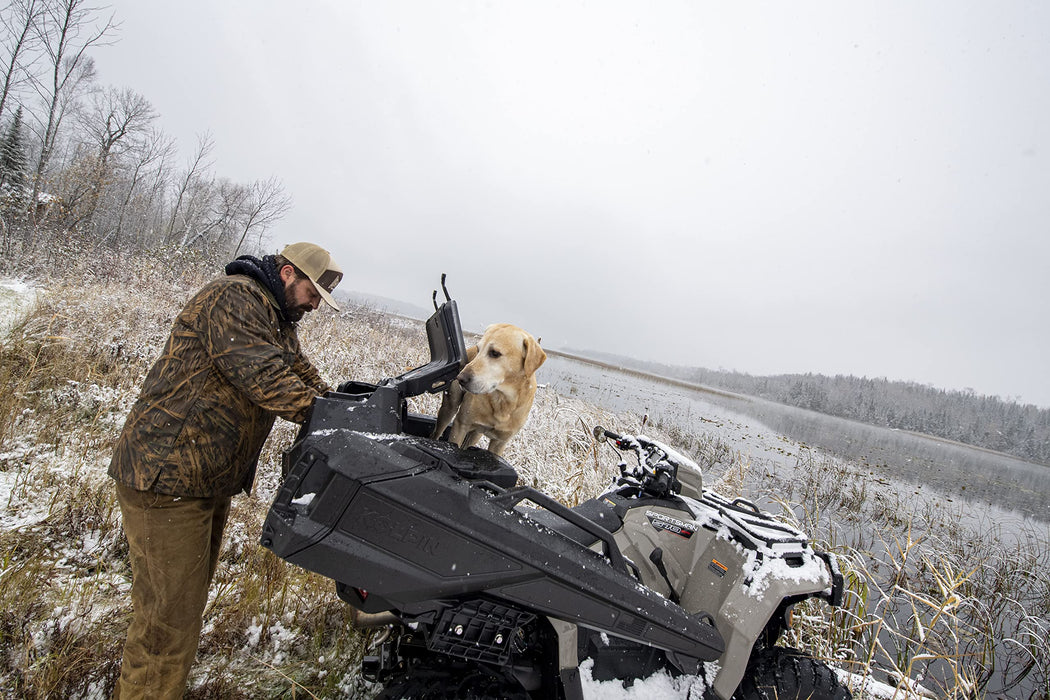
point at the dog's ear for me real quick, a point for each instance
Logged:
(472, 352)
(534, 355)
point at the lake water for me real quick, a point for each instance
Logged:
(752, 426)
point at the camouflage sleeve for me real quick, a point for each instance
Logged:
(238, 333)
(309, 374)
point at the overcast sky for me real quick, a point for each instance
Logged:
(837, 187)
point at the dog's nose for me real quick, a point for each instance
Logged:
(464, 377)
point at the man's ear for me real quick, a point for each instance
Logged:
(287, 274)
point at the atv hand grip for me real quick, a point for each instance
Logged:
(512, 497)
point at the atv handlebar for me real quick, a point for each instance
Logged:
(656, 473)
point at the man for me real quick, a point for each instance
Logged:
(192, 440)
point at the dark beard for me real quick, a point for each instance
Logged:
(294, 313)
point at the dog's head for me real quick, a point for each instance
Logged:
(505, 354)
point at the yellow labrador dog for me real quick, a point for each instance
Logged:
(493, 394)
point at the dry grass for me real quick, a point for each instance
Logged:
(930, 602)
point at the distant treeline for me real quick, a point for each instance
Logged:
(963, 416)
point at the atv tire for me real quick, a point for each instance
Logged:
(442, 685)
(779, 673)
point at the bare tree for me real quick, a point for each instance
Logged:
(199, 164)
(67, 30)
(154, 219)
(18, 22)
(266, 203)
(230, 202)
(216, 207)
(118, 117)
(117, 121)
(156, 149)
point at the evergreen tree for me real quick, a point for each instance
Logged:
(14, 162)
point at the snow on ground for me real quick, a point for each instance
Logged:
(15, 297)
(662, 686)
(659, 686)
(17, 512)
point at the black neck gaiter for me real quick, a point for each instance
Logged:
(265, 271)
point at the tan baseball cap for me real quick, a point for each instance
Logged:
(316, 263)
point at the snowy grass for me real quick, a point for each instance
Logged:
(937, 604)
(935, 609)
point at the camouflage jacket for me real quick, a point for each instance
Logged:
(229, 367)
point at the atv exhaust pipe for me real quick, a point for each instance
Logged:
(362, 620)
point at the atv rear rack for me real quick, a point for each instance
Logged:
(416, 519)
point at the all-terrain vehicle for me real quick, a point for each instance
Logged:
(491, 589)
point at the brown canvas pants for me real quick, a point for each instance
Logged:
(174, 544)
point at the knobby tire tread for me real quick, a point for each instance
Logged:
(787, 674)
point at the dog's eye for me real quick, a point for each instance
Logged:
(494, 353)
